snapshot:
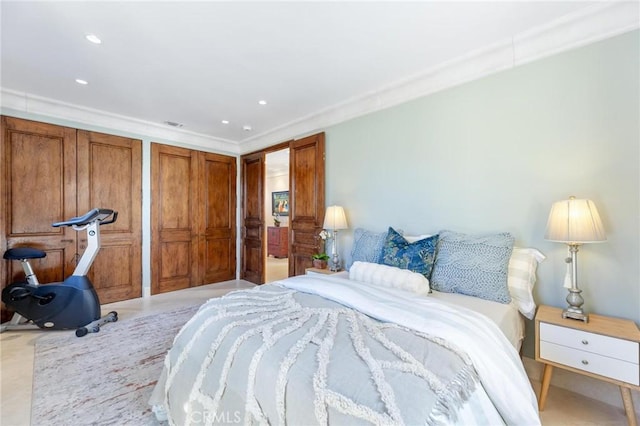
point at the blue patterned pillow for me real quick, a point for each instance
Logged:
(417, 256)
(475, 265)
(367, 246)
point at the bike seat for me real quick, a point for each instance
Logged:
(19, 253)
(90, 216)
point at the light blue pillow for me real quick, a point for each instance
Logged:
(417, 256)
(367, 246)
(475, 265)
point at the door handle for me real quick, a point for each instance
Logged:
(66, 241)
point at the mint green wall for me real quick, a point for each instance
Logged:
(494, 154)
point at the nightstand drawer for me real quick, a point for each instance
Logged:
(587, 361)
(612, 347)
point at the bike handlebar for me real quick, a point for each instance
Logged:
(91, 216)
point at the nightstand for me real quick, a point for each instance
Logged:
(605, 348)
(326, 271)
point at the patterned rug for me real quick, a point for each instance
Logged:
(104, 378)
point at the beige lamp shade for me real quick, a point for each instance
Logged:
(574, 221)
(335, 218)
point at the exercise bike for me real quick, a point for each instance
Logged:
(65, 305)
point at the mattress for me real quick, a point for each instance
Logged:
(505, 316)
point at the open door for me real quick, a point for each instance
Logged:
(306, 204)
(252, 268)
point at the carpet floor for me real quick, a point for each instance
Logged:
(104, 378)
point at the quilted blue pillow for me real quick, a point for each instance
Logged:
(417, 256)
(475, 265)
(367, 246)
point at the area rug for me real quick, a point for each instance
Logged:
(104, 378)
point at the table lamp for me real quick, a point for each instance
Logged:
(335, 219)
(574, 222)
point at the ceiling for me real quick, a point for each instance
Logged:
(198, 63)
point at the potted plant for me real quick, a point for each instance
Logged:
(320, 260)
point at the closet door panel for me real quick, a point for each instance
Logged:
(217, 213)
(40, 189)
(114, 272)
(174, 234)
(110, 176)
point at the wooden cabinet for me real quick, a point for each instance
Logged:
(605, 348)
(277, 241)
(51, 173)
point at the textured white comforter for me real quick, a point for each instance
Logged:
(498, 364)
(274, 356)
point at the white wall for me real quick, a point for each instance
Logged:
(494, 154)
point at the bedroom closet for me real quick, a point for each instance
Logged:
(193, 218)
(51, 173)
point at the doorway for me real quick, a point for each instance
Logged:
(276, 213)
(306, 206)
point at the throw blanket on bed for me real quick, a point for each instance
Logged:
(281, 355)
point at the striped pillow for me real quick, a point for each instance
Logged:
(522, 277)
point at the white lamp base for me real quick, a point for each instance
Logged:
(575, 315)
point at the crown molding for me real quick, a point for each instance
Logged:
(598, 22)
(26, 103)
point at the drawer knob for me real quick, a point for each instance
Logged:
(585, 342)
(585, 362)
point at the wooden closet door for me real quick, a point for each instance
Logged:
(217, 218)
(110, 176)
(38, 187)
(306, 204)
(253, 252)
(174, 232)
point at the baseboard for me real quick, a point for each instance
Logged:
(587, 386)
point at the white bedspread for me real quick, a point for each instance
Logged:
(498, 365)
(505, 316)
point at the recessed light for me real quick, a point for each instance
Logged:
(262, 102)
(246, 128)
(93, 38)
(81, 81)
(225, 121)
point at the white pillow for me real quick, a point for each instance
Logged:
(414, 238)
(389, 276)
(522, 277)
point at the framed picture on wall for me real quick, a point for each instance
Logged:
(280, 203)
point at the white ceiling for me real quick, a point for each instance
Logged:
(197, 63)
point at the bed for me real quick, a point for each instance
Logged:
(374, 347)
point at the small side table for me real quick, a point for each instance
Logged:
(326, 271)
(604, 348)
